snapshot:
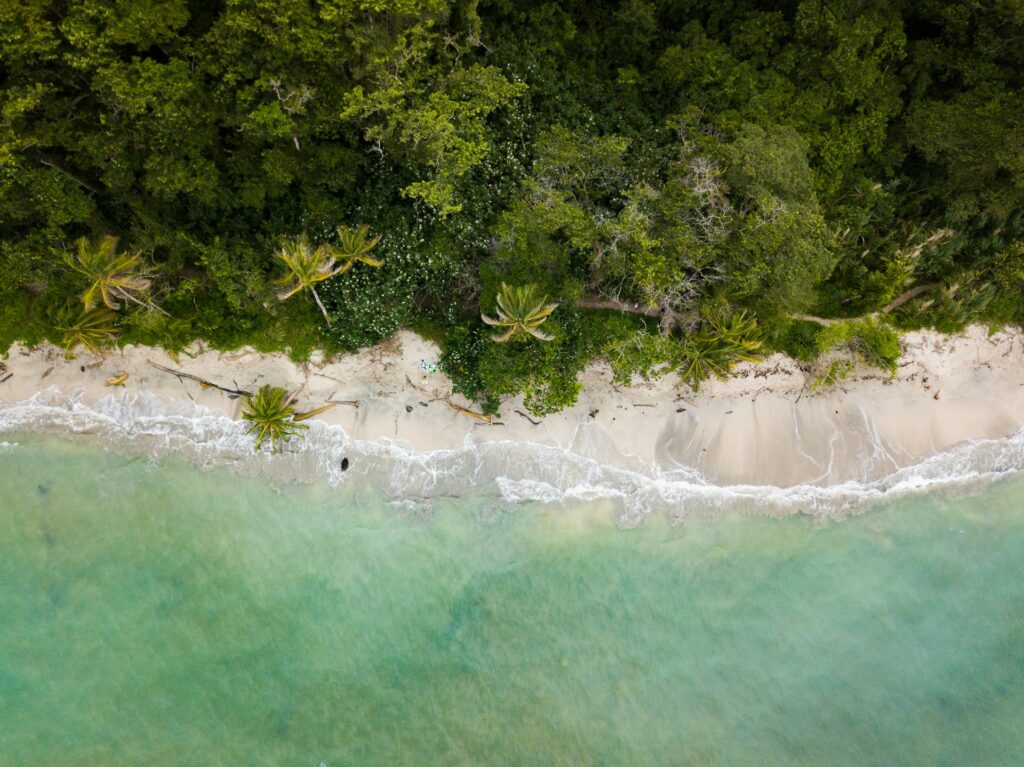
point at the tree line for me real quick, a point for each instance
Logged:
(666, 184)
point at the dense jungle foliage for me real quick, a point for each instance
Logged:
(693, 182)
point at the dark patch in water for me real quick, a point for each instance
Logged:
(43, 489)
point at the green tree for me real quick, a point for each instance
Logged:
(522, 311)
(306, 267)
(354, 247)
(95, 329)
(272, 416)
(717, 347)
(113, 277)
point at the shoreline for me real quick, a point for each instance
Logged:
(955, 401)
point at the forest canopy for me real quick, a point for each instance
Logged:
(670, 184)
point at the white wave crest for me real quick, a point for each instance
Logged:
(517, 472)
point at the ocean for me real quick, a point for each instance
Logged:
(154, 612)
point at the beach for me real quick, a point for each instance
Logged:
(960, 398)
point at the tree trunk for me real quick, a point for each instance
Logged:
(316, 297)
(619, 306)
(892, 306)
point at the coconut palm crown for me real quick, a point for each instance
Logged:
(353, 247)
(94, 329)
(271, 416)
(715, 349)
(306, 266)
(520, 310)
(113, 277)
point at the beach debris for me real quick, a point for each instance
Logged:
(408, 408)
(46, 372)
(937, 395)
(593, 413)
(524, 415)
(5, 378)
(428, 367)
(680, 409)
(117, 380)
(421, 387)
(487, 419)
(352, 402)
(312, 413)
(643, 404)
(344, 464)
(181, 375)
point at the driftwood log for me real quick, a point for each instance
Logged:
(182, 375)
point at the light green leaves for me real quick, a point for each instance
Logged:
(353, 247)
(94, 329)
(271, 416)
(720, 344)
(522, 311)
(425, 109)
(113, 277)
(307, 265)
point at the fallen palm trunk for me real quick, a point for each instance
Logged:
(181, 375)
(487, 419)
(312, 413)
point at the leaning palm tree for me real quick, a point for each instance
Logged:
(521, 311)
(307, 266)
(113, 276)
(271, 416)
(353, 247)
(94, 329)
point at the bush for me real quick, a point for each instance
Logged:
(872, 342)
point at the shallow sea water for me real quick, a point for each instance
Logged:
(152, 613)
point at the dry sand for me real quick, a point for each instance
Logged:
(763, 426)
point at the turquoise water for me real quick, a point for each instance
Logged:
(155, 614)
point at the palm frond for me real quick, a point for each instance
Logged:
(354, 243)
(94, 329)
(272, 416)
(113, 277)
(522, 311)
(305, 267)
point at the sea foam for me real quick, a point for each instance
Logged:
(515, 472)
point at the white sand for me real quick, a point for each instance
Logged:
(763, 426)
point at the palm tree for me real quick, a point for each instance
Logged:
(111, 275)
(354, 246)
(93, 329)
(271, 416)
(521, 311)
(714, 350)
(742, 336)
(307, 266)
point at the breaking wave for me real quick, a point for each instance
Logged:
(515, 472)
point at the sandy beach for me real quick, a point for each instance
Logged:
(764, 426)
